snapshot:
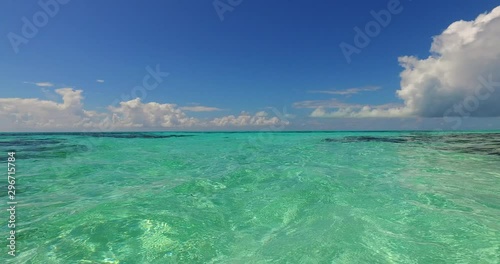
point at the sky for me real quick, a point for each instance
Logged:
(70, 65)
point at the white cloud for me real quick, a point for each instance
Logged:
(134, 113)
(461, 77)
(349, 91)
(41, 84)
(42, 113)
(463, 53)
(245, 119)
(20, 114)
(100, 81)
(199, 108)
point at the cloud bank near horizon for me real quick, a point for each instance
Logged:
(35, 114)
(461, 77)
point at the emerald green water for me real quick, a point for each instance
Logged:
(339, 197)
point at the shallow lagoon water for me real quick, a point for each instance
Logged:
(318, 197)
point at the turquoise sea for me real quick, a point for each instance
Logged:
(287, 197)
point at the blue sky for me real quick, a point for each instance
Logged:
(262, 54)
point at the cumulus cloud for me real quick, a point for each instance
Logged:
(134, 113)
(349, 91)
(43, 113)
(464, 56)
(41, 84)
(20, 114)
(460, 77)
(245, 119)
